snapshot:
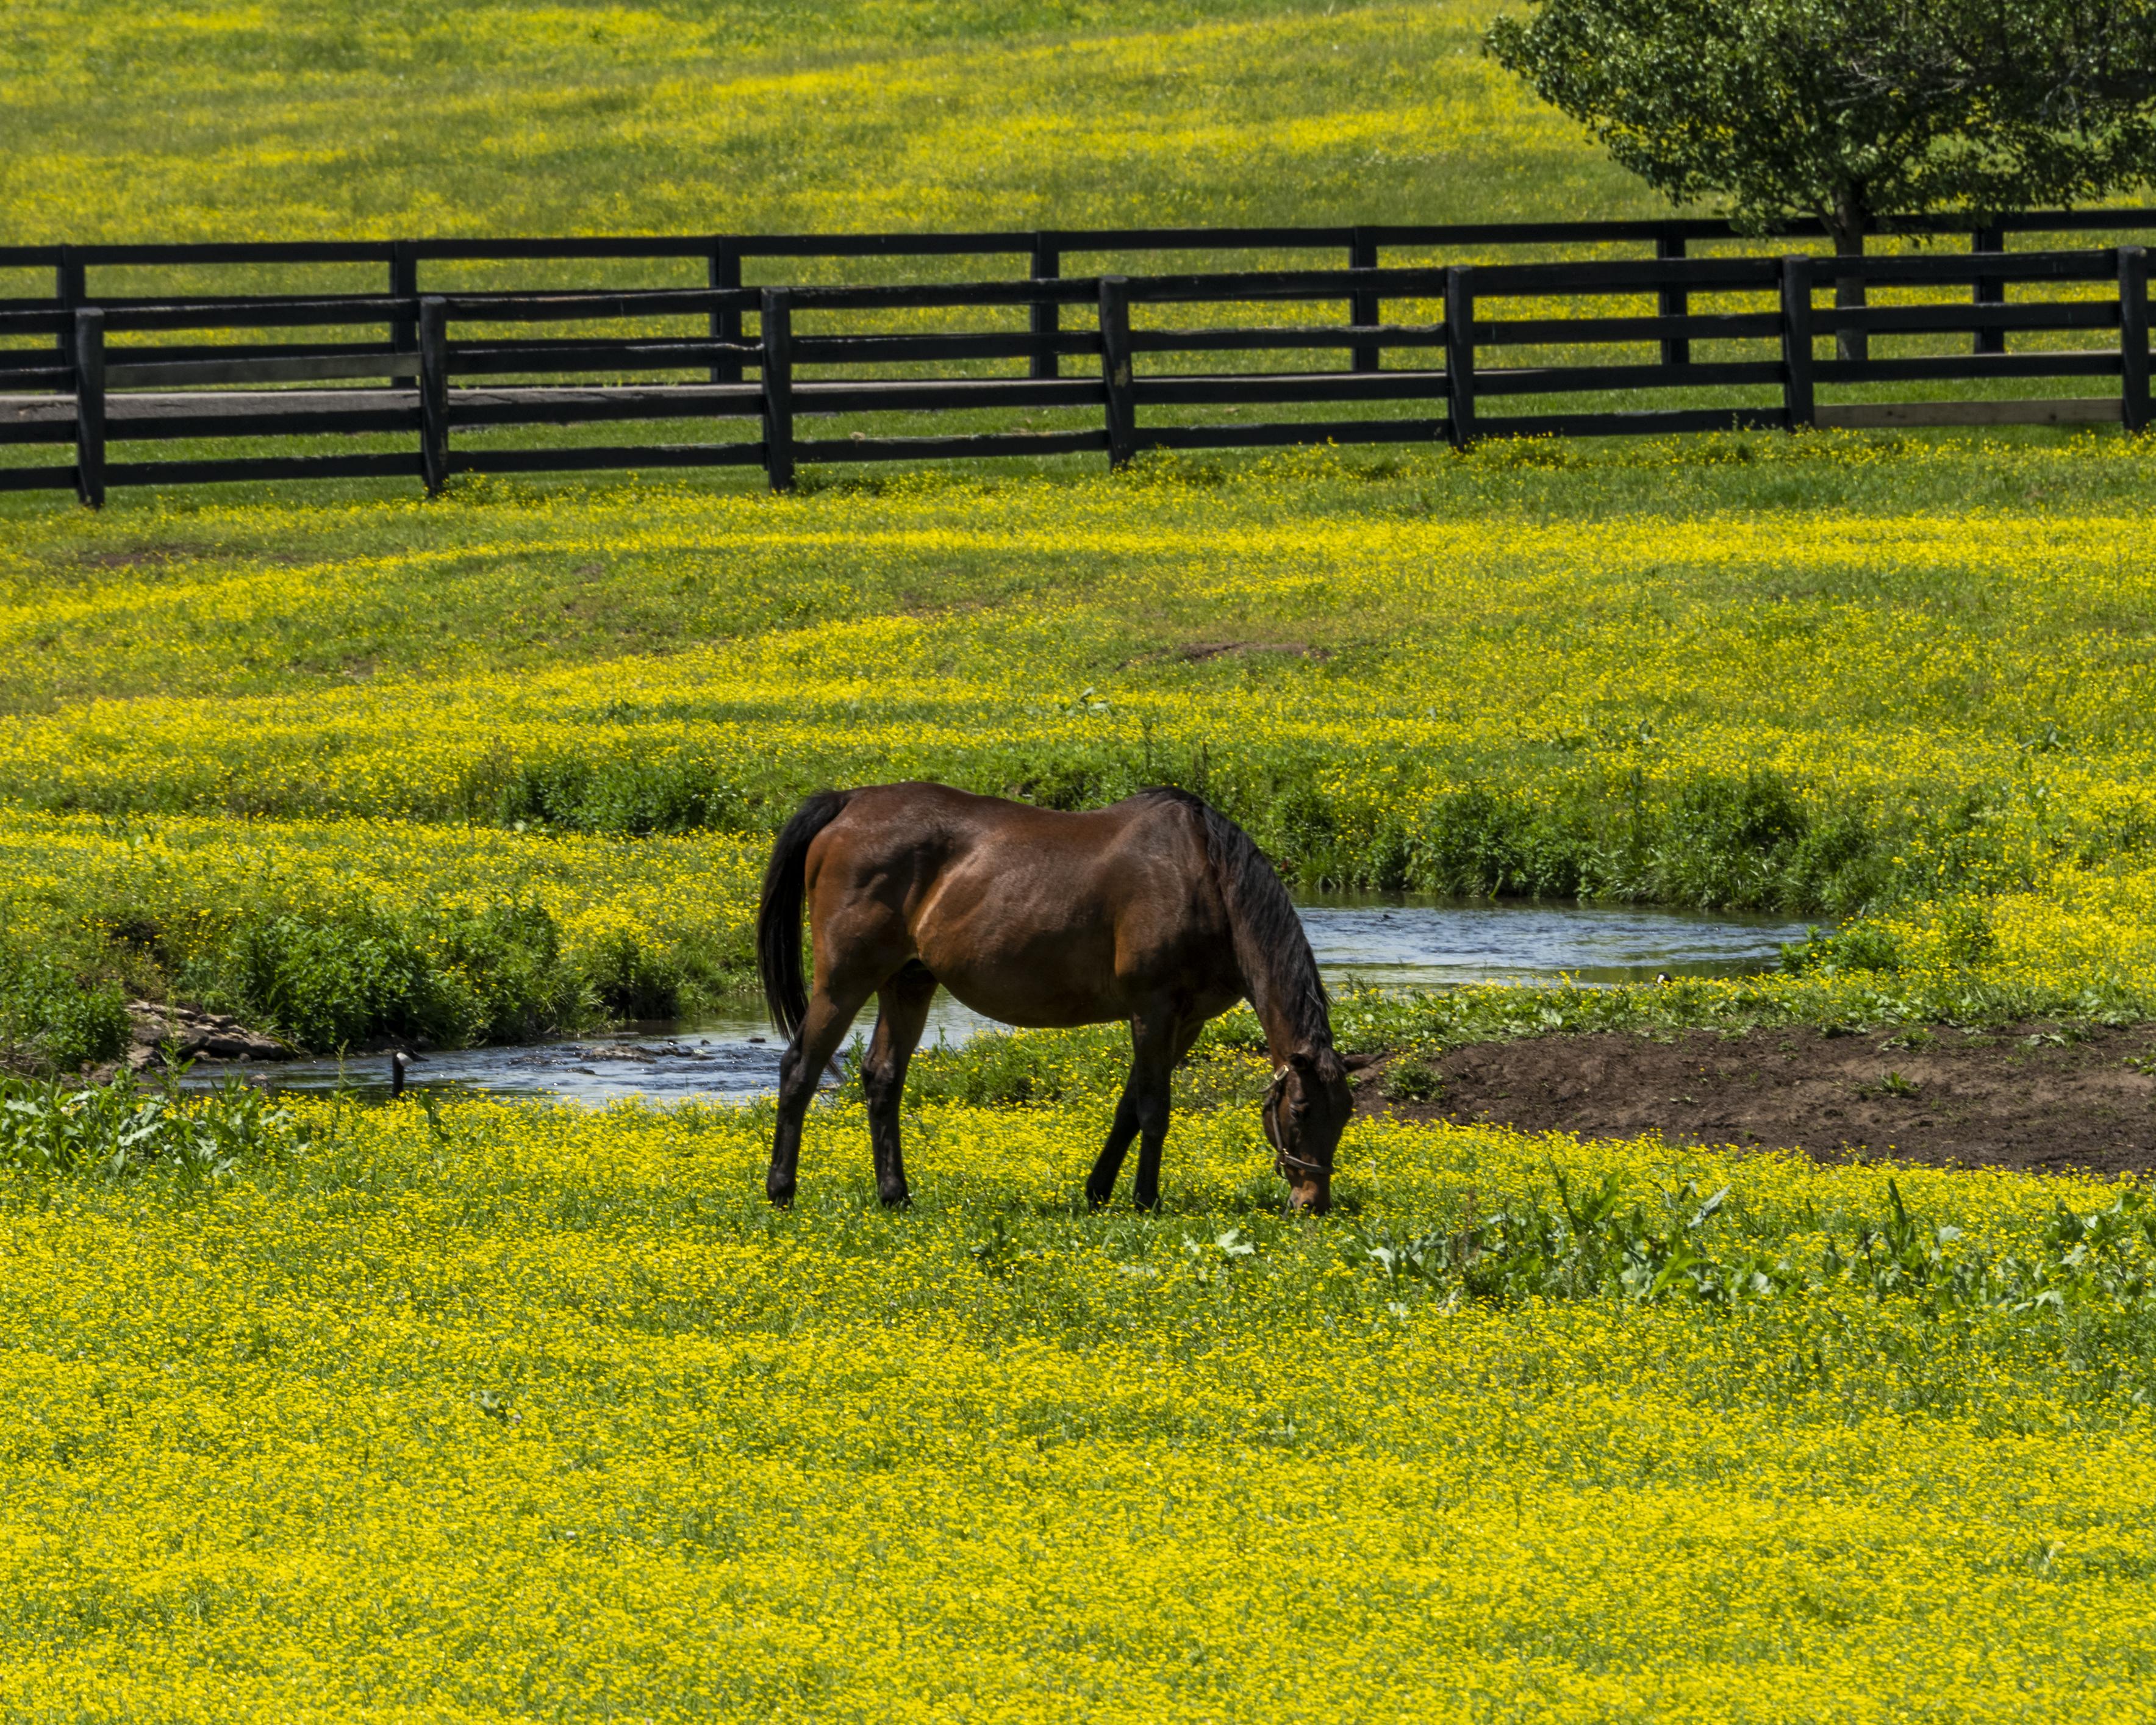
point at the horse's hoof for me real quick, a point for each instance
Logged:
(1096, 1200)
(781, 1197)
(898, 1200)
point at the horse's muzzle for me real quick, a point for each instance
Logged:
(1309, 1190)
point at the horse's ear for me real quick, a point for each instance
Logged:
(1356, 1062)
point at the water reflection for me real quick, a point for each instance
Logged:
(1392, 944)
(1403, 944)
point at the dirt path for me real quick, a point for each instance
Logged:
(2024, 1098)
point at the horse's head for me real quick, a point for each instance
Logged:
(1305, 1110)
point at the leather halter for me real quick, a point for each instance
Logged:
(1274, 1093)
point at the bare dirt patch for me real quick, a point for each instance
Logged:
(2031, 1096)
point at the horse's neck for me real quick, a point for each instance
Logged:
(1268, 997)
(1275, 981)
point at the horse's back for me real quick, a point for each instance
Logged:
(882, 823)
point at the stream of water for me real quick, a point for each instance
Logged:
(1400, 944)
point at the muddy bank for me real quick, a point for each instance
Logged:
(2027, 1096)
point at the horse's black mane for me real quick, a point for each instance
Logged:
(1270, 945)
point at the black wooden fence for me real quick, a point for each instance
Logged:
(724, 256)
(463, 363)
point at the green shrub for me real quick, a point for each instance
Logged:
(447, 977)
(1414, 1077)
(631, 981)
(119, 1129)
(635, 797)
(55, 1018)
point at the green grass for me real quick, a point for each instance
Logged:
(1751, 672)
(263, 590)
(477, 1413)
(289, 119)
(465, 1412)
(1829, 676)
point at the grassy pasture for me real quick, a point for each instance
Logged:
(542, 1413)
(477, 1413)
(284, 120)
(1831, 677)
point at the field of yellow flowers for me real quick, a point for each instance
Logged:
(455, 1411)
(478, 1412)
(376, 1413)
(505, 759)
(278, 120)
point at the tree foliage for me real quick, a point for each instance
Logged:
(1850, 110)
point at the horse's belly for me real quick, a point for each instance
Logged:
(1079, 977)
(1049, 947)
(1030, 1013)
(1052, 992)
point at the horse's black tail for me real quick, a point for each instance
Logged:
(778, 916)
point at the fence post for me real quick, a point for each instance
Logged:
(1797, 404)
(435, 394)
(1363, 306)
(1047, 318)
(1674, 301)
(1115, 369)
(2134, 337)
(88, 341)
(403, 284)
(1989, 290)
(69, 288)
(777, 318)
(724, 271)
(1460, 355)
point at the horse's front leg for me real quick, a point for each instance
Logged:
(1158, 1042)
(800, 1070)
(1101, 1183)
(1158, 1046)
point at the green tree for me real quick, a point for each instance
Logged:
(1854, 111)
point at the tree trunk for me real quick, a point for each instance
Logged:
(1846, 225)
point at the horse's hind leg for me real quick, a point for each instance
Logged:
(800, 1069)
(902, 1013)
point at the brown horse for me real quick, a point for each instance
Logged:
(1158, 910)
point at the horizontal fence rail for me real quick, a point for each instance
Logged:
(722, 256)
(1122, 363)
(402, 257)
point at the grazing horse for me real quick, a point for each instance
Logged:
(1158, 910)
